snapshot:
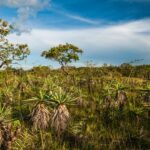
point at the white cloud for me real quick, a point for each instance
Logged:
(82, 19)
(76, 17)
(25, 9)
(37, 4)
(29, 8)
(115, 43)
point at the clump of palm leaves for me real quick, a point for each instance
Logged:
(107, 92)
(40, 115)
(7, 135)
(121, 99)
(55, 100)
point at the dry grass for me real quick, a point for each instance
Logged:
(60, 118)
(40, 117)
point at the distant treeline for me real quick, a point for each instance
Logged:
(126, 70)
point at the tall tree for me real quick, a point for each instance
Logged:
(10, 52)
(63, 54)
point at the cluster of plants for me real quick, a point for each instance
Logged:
(84, 113)
(89, 108)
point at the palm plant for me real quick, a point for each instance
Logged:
(40, 115)
(108, 97)
(121, 99)
(57, 100)
(44, 102)
(7, 134)
(120, 96)
(60, 115)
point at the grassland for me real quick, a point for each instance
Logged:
(90, 108)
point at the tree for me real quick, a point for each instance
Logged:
(63, 54)
(10, 52)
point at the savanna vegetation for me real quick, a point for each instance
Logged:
(86, 108)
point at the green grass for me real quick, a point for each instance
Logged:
(94, 123)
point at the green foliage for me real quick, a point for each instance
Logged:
(52, 98)
(63, 54)
(60, 97)
(91, 122)
(10, 52)
(5, 113)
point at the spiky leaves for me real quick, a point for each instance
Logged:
(61, 115)
(60, 118)
(56, 100)
(40, 117)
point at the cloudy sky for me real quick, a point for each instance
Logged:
(109, 31)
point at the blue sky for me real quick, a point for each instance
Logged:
(109, 31)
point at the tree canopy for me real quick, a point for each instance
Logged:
(10, 52)
(63, 54)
